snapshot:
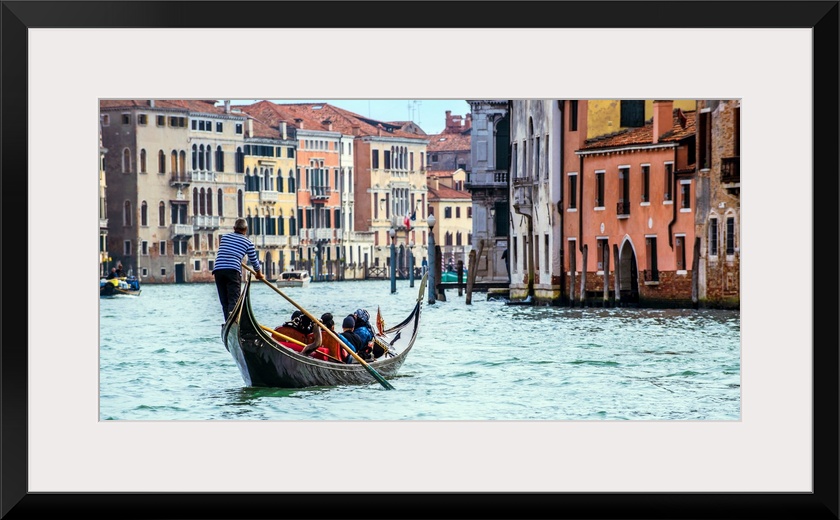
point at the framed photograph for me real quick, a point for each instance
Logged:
(779, 461)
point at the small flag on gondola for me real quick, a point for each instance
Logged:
(380, 322)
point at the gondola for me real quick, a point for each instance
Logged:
(264, 361)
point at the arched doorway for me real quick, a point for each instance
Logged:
(628, 273)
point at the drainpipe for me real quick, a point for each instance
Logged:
(562, 248)
(674, 205)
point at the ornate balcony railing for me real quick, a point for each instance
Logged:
(268, 196)
(622, 209)
(180, 179)
(181, 230)
(206, 222)
(730, 170)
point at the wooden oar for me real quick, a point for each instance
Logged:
(293, 340)
(349, 350)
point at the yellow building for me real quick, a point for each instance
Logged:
(452, 207)
(270, 194)
(606, 116)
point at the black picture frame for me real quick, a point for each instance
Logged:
(15, 500)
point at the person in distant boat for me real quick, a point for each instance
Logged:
(350, 338)
(233, 247)
(112, 274)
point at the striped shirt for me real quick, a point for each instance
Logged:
(232, 249)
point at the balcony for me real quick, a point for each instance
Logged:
(271, 240)
(519, 182)
(269, 196)
(319, 193)
(203, 176)
(488, 179)
(730, 170)
(180, 231)
(622, 209)
(180, 179)
(206, 222)
(324, 234)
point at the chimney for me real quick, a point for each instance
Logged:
(299, 122)
(469, 121)
(250, 127)
(152, 103)
(328, 122)
(283, 130)
(357, 129)
(663, 118)
(227, 106)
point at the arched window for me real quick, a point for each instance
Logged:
(201, 157)
(279, 182)
(144, 214)
(220, 159)
(194, 157)
(267, 179)
(202, 202)
(220, 205)
(143, 160)
(239, 203)
(173, 163)
(207, 158)
(161, 214)
(240, 160)
(161, 162)
(126, 161)
(195, 201)
(183, 161)
(127, 213)
(209, 201)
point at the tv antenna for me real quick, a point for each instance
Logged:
(414, 110)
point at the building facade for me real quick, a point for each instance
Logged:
(488, 184)
(155, 155)
(718, 208)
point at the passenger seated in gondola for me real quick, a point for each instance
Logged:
(350, 338)
(299, 329)
(364, 330)
(329, 349)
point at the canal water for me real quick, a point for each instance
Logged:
(162, 359)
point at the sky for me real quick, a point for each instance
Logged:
(429, 114)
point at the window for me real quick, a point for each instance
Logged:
(126, 119)
(713, 237)
(632, 113)
(599, 189)
(177, 122)
(144, 214)
(127, 213)
(161, 120)
(161, 162)
(669, 182)
(197, 265)
(447, 212)
(142, 119)
(210, 241)
(704, 138)
(162, 247)
(179, 247)
(211, 264)
(161, 214)
(730, 236)
(143, 160)
(685, 188)
(646, 183)
(573, 116)
(469, 211)
(679, 250)
(220, 127)
(127, 248)
(374, 159)
(238, 128)
(221, 198)
(163, 271)
(572, 198)
(106, 120)
(651, 272)
(144, 247)
(197, 242)
(546, 251)
(602, 248)
(458, 212)
(126, 161)
(623, 206)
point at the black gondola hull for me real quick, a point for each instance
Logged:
(263, 362)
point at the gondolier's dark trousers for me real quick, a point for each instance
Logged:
(229, 285)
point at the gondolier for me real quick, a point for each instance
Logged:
(227, 271)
